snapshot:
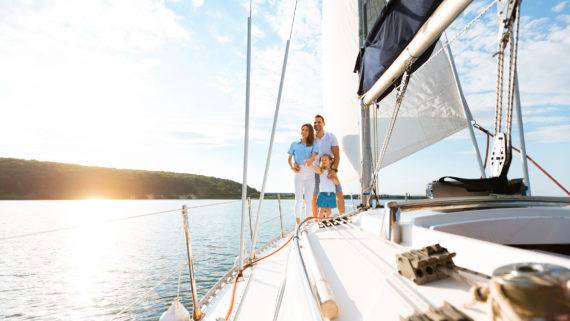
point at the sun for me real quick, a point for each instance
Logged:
(95, 198)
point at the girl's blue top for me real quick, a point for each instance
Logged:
(301, 151)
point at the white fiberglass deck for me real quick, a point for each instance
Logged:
(360, 266)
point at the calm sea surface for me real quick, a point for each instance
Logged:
(87, 268)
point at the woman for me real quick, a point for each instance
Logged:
(303, 152)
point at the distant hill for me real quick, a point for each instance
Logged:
(30, 179)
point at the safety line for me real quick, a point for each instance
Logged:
(67, 228)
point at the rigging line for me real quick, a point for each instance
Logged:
(180, 262)
(67, 228)
(500, 72)
(144, 295)
(459, 33)
(486, 153)
(399, 97)
(227, 241)
(269, 220)
(513, 71)
(293, 20)
(216, 247)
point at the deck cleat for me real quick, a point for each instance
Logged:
(422, 266)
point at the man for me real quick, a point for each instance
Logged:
(326, 144)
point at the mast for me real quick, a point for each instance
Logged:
(366, 172)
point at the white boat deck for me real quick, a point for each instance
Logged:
(255, 293)
(361, 267)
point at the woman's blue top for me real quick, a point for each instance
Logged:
(301, 151)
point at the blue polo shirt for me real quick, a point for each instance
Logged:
(301, 151)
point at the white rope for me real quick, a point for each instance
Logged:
(512, 73)
(399, 97)
(500, 72)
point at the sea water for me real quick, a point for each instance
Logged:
(87, 260)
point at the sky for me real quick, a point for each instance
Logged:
(160, 85)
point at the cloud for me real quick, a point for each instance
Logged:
(542, 73)
(219, 37)
(559, 7)
(535, 111)
(551, 134)
(197, 3)
(546, 119)
(97, 25)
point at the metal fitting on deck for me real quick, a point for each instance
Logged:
(422, 266)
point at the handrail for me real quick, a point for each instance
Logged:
(315, 306)
(314, 309)
(320, 285)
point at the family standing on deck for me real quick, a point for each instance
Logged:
(314, 159)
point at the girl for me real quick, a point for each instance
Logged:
(304, 153)
(327, 192)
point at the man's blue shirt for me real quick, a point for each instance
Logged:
(301, 151)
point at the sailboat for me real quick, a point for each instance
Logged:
(475, 249)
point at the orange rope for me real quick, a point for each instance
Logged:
(253, 262)
(528, 157)
(245, 266)
(233, 295)
(268, 255)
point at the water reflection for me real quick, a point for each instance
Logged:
(91, 272)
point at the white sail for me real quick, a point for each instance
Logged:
(341, 105)
(432, 109)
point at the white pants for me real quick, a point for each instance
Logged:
(304, 185)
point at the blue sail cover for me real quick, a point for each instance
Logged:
(394, 28)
